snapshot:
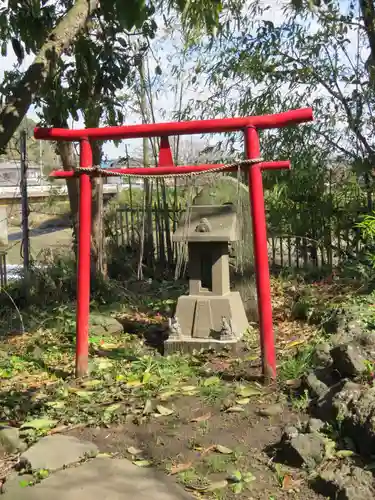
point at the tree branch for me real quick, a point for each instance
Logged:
(334, 144)
(338, 95)
(36, 75)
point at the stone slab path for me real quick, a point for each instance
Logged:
(101, 477)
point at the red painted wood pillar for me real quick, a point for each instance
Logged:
(258, 217)
(84, 264)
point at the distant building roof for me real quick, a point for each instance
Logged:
(122, 162)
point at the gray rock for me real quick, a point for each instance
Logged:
(105, 325)
(290, 432)
(348, 360)
(347, 331)
(302, 449)
(54, 452)
(367, 339)
(315, 425)
(334, 403)
(323, 354)
(316, 387)
(15, 482)
(355, 327)
(106, 479)
(310, 447)
(360, 421)
(353, 405)
(10, 441)
(347, 482)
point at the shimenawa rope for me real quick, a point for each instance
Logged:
(97, 170)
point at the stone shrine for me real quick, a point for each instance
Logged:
(211, 315)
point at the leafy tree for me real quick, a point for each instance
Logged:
(50, 30)
(318, 56)
(83, 58)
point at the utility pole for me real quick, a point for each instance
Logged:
(25, 205)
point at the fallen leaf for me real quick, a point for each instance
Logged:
(64, 428)
(223, 449)
(142, 463)
(133, 383)
(113, 408)
(243, 401)
(133, 451)
(89, 384)
(55, 404)
(294, 344)
(201, 418)
(287, 482)
(84, 394)
(218, 485)
(189, 389)
(247, 391)
(164, 396)
(147, 408)
(251, 358)
(176, 469)
(344, 453)
(164, 411)
(235, 409)
(39, 424)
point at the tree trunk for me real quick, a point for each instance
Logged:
(368, 15)
(27, 89)
(97, 229)
(69, 161)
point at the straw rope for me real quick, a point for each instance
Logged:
(97, 170)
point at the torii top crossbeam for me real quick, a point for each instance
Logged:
(218, 125)
(250, 126)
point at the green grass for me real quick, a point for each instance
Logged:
(299, 364)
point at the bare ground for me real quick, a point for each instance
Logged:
(181, 443)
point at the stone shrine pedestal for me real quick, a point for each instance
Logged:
(211, 315)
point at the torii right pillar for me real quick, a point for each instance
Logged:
(262, 272)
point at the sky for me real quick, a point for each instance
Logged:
(166, 105)
(165, 46)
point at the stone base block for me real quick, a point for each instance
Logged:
(201, 320)
(189, 345)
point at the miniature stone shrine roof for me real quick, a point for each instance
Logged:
(208, 223)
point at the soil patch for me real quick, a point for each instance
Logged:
(202, 443)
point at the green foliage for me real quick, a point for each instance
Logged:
(105, 54)
(367, 228)
(298, 364)
(258, 66)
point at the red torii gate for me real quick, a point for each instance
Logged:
(250, 126)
